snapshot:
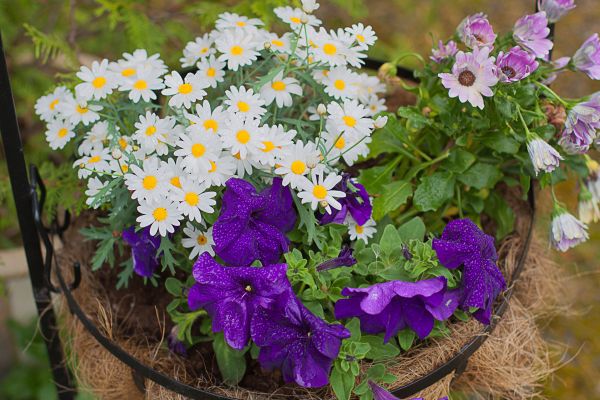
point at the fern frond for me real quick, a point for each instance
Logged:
(48, 46)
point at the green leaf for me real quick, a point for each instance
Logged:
(231, 362)
(416, 120)
(379, 350)
(501, 143)
(503, 215)
(393, 196)
(390, 239)
(354, 327)
(413, 229)
(406, 338)
(459, 160)
(434, 191)
(342, 382)
(481, 176)
(376, 372)
(173, 286)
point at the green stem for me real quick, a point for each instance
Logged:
(459, 202)
(553, 93)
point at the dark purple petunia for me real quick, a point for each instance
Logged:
(392, 306)
(463, 243)
(144, 250)
(515, 65)
(175, 345)
(232, 295)
(252, 225)
(380, 393)
(301, 344)
(356, 202)
(344, 259)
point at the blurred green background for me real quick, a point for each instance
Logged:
(46, 39)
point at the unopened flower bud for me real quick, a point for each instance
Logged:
(323, 203)
(267, 45)
(321, 109)
(116, 154)
(426, 111)
(380, 122)
(387, 70)
(304, 19)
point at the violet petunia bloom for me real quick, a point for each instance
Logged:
(556, 9)
(475, 31)
(233, 295)
(463, 243)
(356, 202)
(144, 250)
(581, 126)
(379, 393)
(472, 77)
(175, 345)
(252, 225)
(443, 51)
(392, 306)
(531, 32)
(293, 339)
(344, 259)
(587, 57)
(515, 65)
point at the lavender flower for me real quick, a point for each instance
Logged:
(232, 296)
(475, 31)
(587, 58)
(566, 230)
(380, 393)
(463, 243)
(556, 9)
(443, 51)
(472, 77)
(531, 32)
(558, 65)
(356, 202)
(515, 65)
(175, 345)
(344, 259)
(144, 250)
(392, 306)
(543, 156)
(588, 206)
(292, 338)
(583, 122)
(252, 225)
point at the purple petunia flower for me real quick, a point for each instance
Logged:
(392, 306)
(587, 57)
(556, 9)
(232, 296)
(380, 393)
(443, 51)
(543, 156)
(531, 32)
(144, 250)
(475, 31)
(252, 225)
(463, 243)
(583, 122)
(472, 77)
(567, 231)
(356, 202)
(344, 259)
(175, 345)
(293, 339)
(515, 65)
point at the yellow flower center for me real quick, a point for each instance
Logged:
(243, 136)
(295, 20)
(186, 88)
(339, 84)
(62, 132)
(269, 146)
(340, 143)
(175, 181)
(243, 106)
(128, 72)
(211, 72)
(329, 49)
(211, 124)
(278, 85)
(204, 50)
(198, 150)
(237, 50)
(53, 104)
(349, 121)
(298, 167)
(202, 240)
(213, 166)
(99, 82)
(241, 24)
(81, 110)
(160, 214)
(140, 84)
(149, 182)
(151, 130)
(192, 198)
(359, 229)
(94, 160)
(124, 168)
(360, 38)
(320, 192)
(277, 43)
(122, 143)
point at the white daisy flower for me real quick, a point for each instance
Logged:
(229, 20)
(222, 168)
(197, 240)
(128, 67)
(313, 113)
(375, 105)
(210, 121)
(197, 149)
(142, 85)
(296, 161)
(199, 49)
(211, 70)
(329, 48)
(280, 44)
(237, 48)
(95, 138)
(363, 35)
(350, 117)
(274, 139)
(319, 191)
(146, 131)
(59, 133)
(119, 167)
(242, 136)
(295, 17)
(347, 146)
(244, 166)
(94, 187)
(168, 131)
(98, 82)
(192, 199)
(160, 215)
(368, 86)
(184, 92)
(46, 106)
(361, 232)
(148, 182)
(97, 161)
(173, 171)
(77, 111)
(340, 83)
(244, 102)
(280, 90)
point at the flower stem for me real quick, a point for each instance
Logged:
(553, 93)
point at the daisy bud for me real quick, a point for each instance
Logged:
(588, 207)
(566, 230)
(324, 203)
(309, 6)
(321, 109)
(387, 70)
(543, 156)
(380, 122)
(116, 154)
(304, 19)
(267, 45)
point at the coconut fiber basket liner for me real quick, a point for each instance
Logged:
(113, 358)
